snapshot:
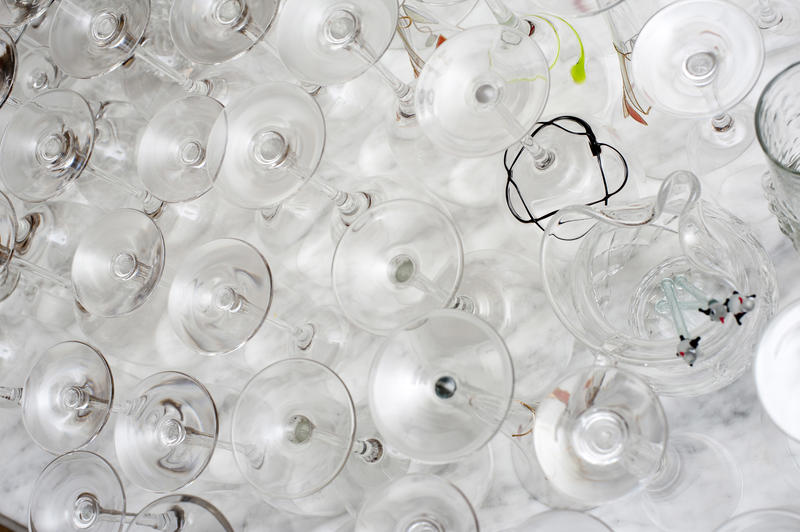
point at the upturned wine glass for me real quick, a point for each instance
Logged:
(404, 258)
(440, 387)
(221, 295)
(671, 287)
(601, 434)
(417, 503)
(296, 440)
(55, 398)
(698, 59)
(82, 491)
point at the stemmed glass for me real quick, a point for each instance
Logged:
(417, 502)
(779, 20)
(404, 258)
(311, 457)
(82, 491)
(56, 394)
(699, 58)
(441, 386)
(601, 434)
(91, 39)
(672, 287)
(115, 267)
(8, 66)
(221, 295)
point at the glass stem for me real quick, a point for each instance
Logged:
(668, 473)
(202, 87)
(10, 396)
(698, 294)
(11, 103)
(768, 16)
(25, 265)
(506, 17)
(668, 287)
(369, 450)
(403, 91)
(150, 204)
(542, 157)
(350, 205)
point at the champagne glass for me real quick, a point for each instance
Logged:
(215, 31)
(697, 59)
(82, 491)
(300, 416)
(91, 39)
(440, 387)
(561, 520)
(166, 433)
(656, 286)
(222, 294)
(417, 502)
(774, 519)
(17, 12)
(56, 396)
(404, 258)
(775, 367)
(601, 434)
(482, 90)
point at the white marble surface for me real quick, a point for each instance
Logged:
(733, 416)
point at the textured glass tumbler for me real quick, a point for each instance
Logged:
(778, 133)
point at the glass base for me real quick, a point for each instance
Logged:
(709, 149)
(507, 292)
(331, 335)
(785, 31)
(700, 492)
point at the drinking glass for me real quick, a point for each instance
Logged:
(36, 73)
(404, 258)
(776, 368)
(780, 142)
(482, 90)
(82, 491)
(772, 519)
(89, 39)
(777, 18)
(417, 502)
(697, 59)
(554, 520)
(672, 287)
(17, 12)
(296, 440)
(601, 434)
(440, 387)
(221, 295)
(55, 398)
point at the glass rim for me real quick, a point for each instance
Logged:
(759, 111)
